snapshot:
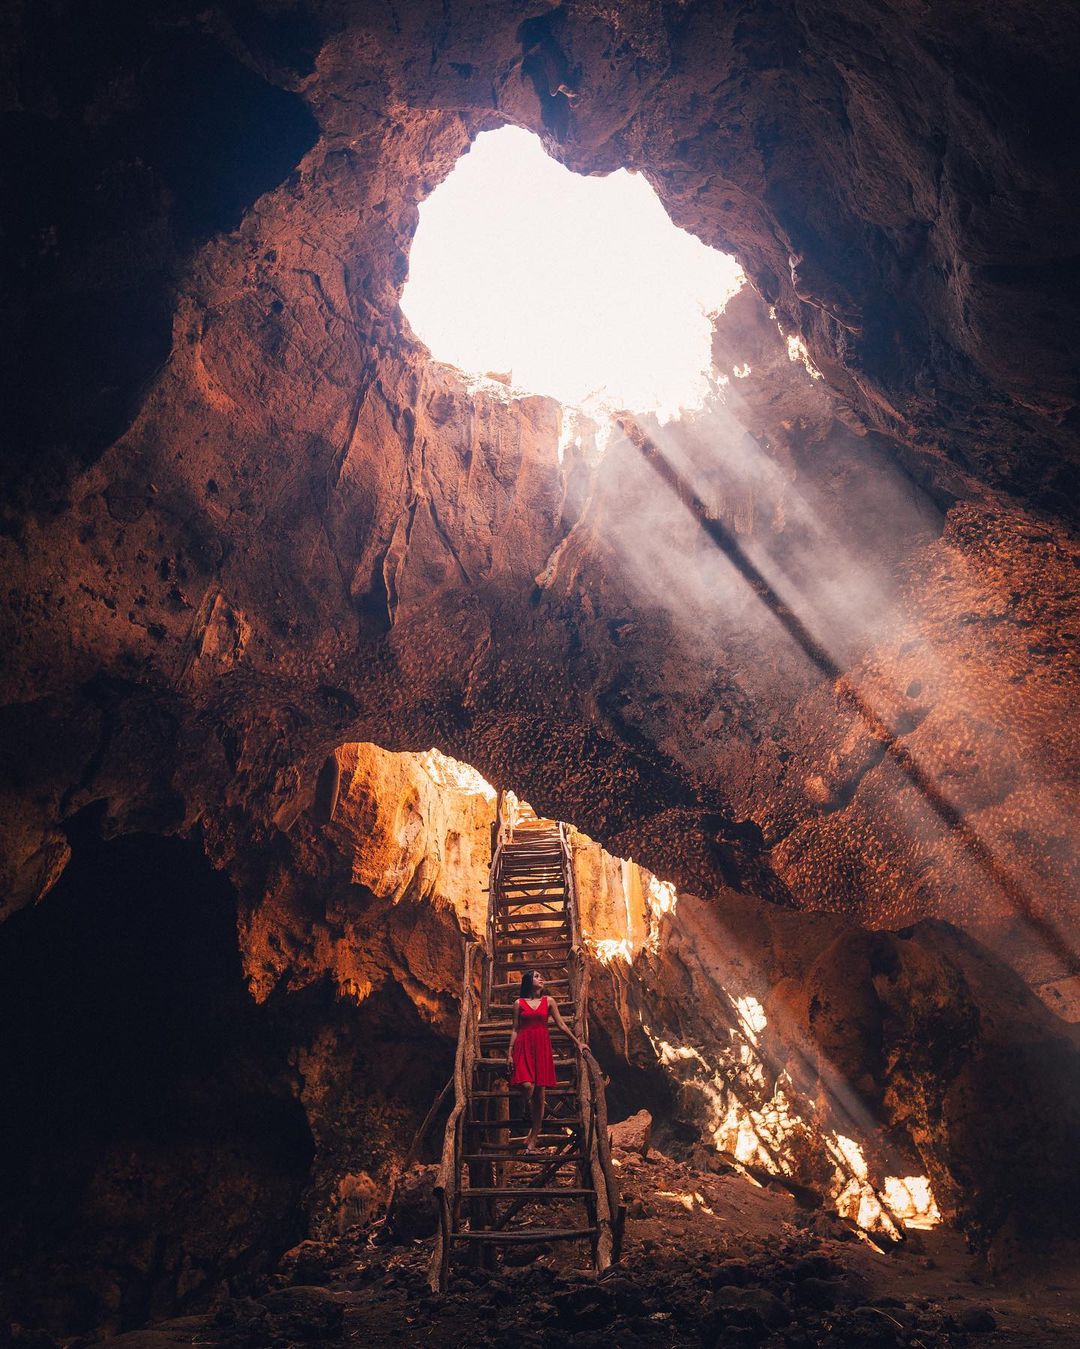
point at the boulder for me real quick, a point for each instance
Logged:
(412, 1213)
(633, 1134)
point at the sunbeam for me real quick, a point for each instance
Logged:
(848, 696)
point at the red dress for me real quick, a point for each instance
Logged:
(533, 1060)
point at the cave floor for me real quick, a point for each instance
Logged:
(709, 1260)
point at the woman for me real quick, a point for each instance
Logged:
(529, 1059)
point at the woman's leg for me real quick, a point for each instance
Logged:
(527, 1092)
(538, 1097)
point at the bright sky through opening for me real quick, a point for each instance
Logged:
(581, 287)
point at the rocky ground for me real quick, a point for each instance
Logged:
(710, 1260)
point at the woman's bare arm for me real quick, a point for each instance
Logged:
(513, 1036)
(557, 1017)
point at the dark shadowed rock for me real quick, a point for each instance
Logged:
(412, 1212)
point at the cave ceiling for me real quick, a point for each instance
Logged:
(247, 518)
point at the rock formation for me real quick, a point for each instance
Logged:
(771, 1034)
(800, 1044)
(247, 520)
(302, 504)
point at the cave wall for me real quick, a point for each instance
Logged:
(309, 533)
(849, 1063)
(788, 1037)
(155, 1152)
(247, 520)
(227, 1065)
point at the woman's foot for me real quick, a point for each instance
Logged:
(530, 1144)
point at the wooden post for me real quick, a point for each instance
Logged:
(449, 1178)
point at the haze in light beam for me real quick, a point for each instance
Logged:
(582, 288)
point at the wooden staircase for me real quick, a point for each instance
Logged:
(491, 1193)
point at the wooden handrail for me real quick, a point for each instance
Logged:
(576, 963)
(501, 835)
(602, 1150)
(449, 1177)
(591, 1082)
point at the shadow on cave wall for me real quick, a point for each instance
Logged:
(368, 1076)
(135, 134)
(153, 1142)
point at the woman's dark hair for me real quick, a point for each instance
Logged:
(528, 979)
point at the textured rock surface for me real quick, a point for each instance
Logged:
(633, 1134)
(246, 519)
(772, 1033)
(789, 1033)
(307, 533)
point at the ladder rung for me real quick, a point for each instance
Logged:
(517, 984)
(491, 1030)
(546, 920)
(539, 945)
(500, 1063)
(519, 1191)
(529, 1237)
(551, 1091)
(518, 957)
(532, 964)
(541, 921)
(519, 1124)
(532, 925)
(519, 954)
(532, 1158)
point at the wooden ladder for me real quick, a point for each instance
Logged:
(491, 1193)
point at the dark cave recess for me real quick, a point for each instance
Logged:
(140, 132)
(153, 1143)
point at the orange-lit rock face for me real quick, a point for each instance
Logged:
(867, 1066)
(308, 533)
(880, 1069)
(383, 893)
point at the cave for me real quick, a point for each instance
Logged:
(152, 1136)
(294, 602)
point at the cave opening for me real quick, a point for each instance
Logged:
(704, 1049)
(525, 274)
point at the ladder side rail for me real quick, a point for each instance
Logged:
(609, 1207)
(446, 1184)
(590, 1082)
(576, 960)
(502, 834)
(603, 1171)
(489, 931)
(604, 1240)
(571, 890)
